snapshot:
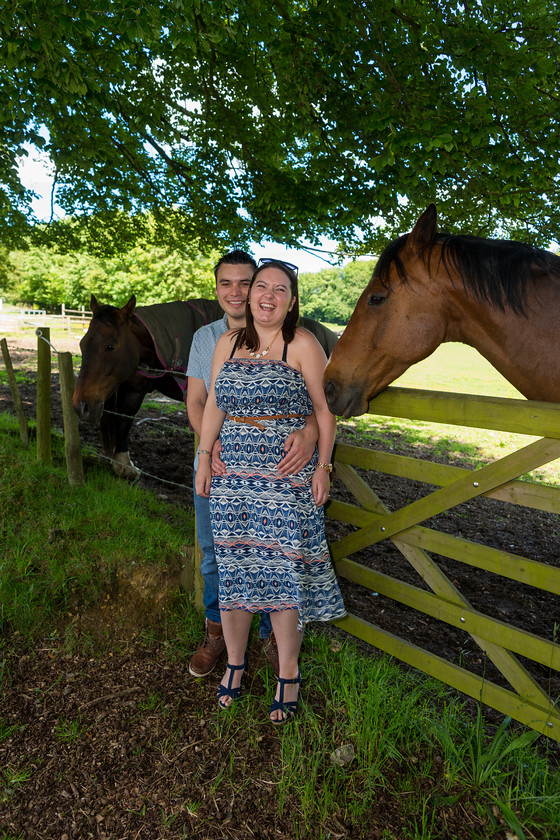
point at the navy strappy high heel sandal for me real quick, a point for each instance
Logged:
(227, 690)
(289, 707)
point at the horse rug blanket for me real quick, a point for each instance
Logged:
(172, 326)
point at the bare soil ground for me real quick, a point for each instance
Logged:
(122, 776)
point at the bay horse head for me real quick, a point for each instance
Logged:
(497, 295)
(110, 355)
(397, 322)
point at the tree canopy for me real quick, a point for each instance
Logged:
(39, 276)
(229, 122)
(330, 295)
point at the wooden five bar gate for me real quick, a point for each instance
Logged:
(525, 701)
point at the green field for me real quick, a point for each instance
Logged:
(460, 368)
(457, 368)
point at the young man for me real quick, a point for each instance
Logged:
(233, 274)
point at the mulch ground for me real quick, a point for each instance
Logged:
(126, 745)
(147, 729)
(123, 744)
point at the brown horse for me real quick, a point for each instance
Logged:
(499, 296)
(122, 361)
(129, 352)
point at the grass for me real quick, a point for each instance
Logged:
(48, 529)
(7, 729)
(21, 377)
(69, 730)
(414, 756)
(455, 367)
(164, 405)
(11, 778)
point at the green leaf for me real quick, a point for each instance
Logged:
(304, 123)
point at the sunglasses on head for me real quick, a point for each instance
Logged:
(265, 260)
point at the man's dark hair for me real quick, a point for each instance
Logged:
(236, 257)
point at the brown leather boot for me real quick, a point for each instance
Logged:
(205, 659)
(270, 650)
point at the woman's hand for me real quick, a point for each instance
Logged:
(203, 477)
(320, 486)
(216, 464)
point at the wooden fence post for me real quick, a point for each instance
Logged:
(72, 443)
(44, 396)
(16, 396)
(198, 579)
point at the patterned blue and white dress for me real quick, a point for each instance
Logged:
(269, 536)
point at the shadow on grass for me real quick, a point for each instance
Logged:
(457, 446)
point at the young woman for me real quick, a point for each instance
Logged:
(268, 529)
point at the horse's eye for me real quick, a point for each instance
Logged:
(376, 300)
(110, 348)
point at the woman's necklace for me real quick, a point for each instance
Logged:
(256, 355)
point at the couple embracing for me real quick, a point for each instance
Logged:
(262, 477)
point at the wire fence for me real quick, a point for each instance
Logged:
(93, 452)
(163, 420)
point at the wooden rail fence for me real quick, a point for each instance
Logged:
(72, 320)
(525, 701)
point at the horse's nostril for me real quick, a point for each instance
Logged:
(330, 390)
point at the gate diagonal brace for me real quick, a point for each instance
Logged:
(463, 489)
(540, 451)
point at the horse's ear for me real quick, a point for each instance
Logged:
(93, 305)
(424, 231)
(128, 308)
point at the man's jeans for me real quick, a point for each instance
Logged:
(209, 567)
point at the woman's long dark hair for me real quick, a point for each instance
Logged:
(248, 336)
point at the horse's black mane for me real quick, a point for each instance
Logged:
(500, 272)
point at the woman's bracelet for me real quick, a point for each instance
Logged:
(325, 466)
(204, 452)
